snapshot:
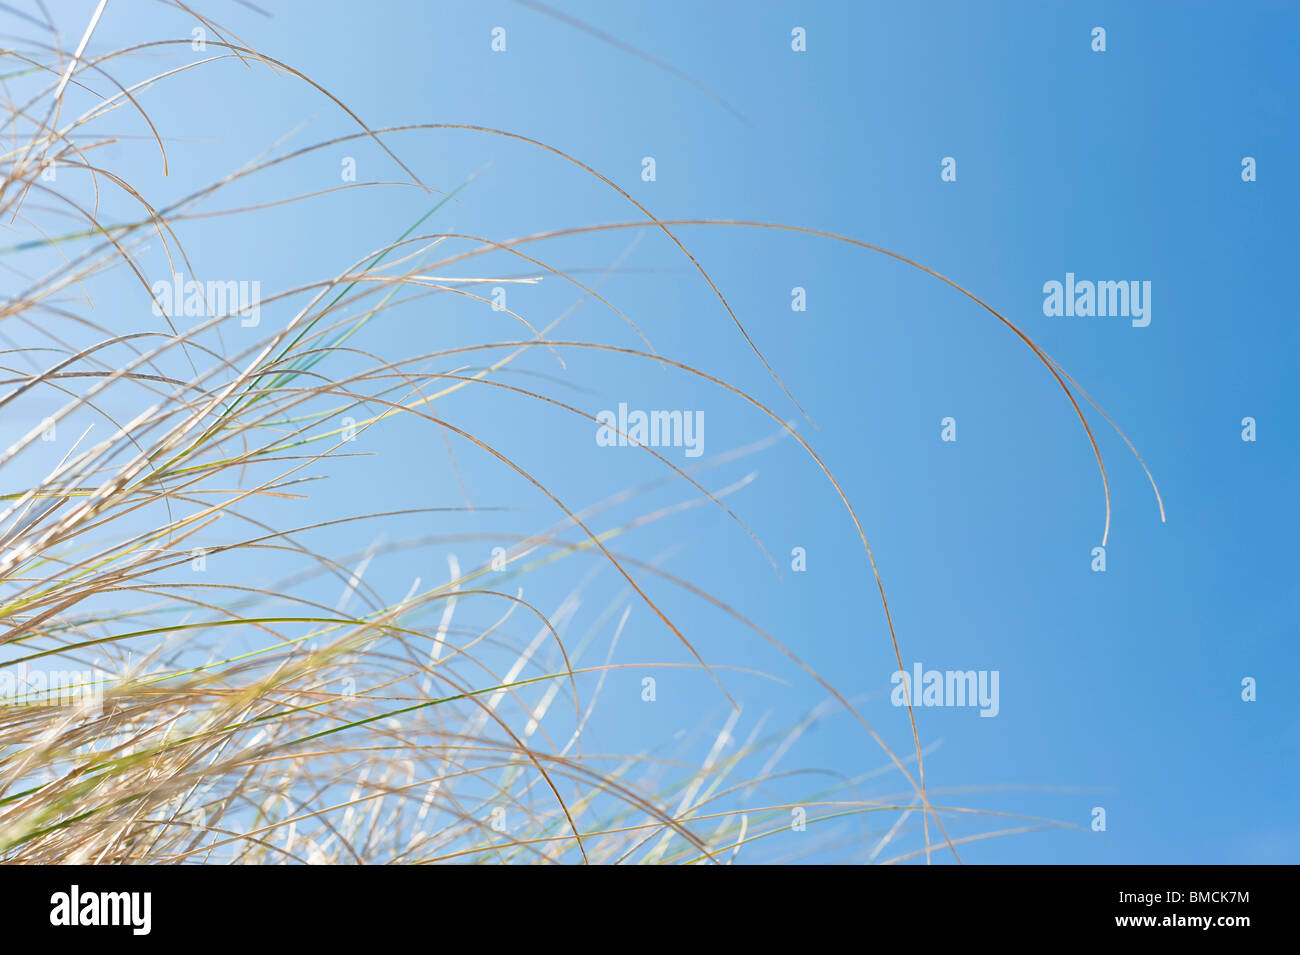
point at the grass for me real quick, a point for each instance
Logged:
(238, 713)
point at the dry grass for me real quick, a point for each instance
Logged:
(261, 721)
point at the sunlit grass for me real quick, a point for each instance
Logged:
(239, 718)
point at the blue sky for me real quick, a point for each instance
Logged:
(1119, 689)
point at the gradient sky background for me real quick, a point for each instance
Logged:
(1120, 689)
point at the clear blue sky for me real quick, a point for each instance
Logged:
(1120, 690)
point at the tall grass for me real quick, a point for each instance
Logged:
(236, 712)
